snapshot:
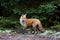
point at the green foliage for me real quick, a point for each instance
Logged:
(9, 23)
(41, 9)
(56, 27)
(17, 11)
(48, 8)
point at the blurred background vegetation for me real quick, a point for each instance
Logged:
(48, 11)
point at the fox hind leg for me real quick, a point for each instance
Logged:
(35, 29)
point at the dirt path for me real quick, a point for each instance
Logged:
(27, 37)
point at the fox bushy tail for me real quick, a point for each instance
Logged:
(41, 27)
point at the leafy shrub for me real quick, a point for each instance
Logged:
(56, 27)
(43, 12)
(8, 23)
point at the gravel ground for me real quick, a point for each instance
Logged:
(27, 37)
(48, 35)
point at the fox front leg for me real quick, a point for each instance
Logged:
(24, 29)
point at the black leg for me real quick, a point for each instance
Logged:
(22, 31)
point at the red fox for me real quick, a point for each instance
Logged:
(28, 22)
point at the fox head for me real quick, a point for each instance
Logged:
(23, 16)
